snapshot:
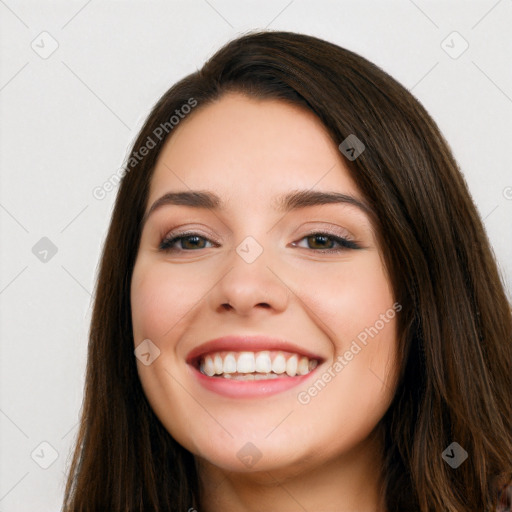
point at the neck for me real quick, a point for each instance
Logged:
(350, 482)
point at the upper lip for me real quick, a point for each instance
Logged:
(245, 343)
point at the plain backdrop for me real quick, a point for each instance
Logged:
(77, 79)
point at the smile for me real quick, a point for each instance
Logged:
(261, 365)
(245, 366)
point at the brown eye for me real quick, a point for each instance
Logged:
(326, 242)
(320, 241)
(188, 241)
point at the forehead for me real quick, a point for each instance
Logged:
(246, 147)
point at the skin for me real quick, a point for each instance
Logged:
(324, 455)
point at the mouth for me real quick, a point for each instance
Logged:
(245, 366)
(262, 365)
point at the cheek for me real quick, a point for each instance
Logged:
(157, 308)
(160, 297)
(348, 298)
(355, 309)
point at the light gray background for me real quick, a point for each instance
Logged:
(67, 122)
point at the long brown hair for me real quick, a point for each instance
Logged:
(454, 331)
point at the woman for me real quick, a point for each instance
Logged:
(317, 319)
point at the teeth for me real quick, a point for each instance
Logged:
(255, 366)
(208, 366)
(248, 376)
(251, 376)
(291, 366)
(229, 363)
(303, 366)
(263, 362)
(259, 376)
(218, 364)
(279, 364)
(246, 363)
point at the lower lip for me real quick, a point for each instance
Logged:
(249, 388)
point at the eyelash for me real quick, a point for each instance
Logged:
(167, 243)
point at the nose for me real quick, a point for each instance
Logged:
(246, 288)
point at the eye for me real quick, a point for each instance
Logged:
(188, 241)
(322, 242)
(327, 242)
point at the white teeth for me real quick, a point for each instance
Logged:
(208, 366)
(246, 363)
(263, 362)
(218, 364)
(229, 363)
(291, 366)
(303, 366)
(279, 364)
(255, 366)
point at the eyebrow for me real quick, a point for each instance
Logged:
(286, 203)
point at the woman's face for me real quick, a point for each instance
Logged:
(287, 284)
